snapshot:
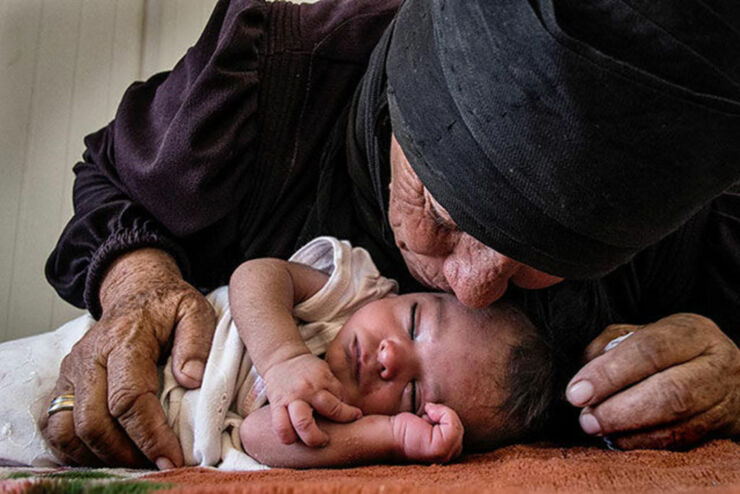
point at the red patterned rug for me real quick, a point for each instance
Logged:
(713, 467)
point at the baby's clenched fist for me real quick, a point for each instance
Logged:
(437, 437)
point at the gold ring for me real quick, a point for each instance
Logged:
(61, 402)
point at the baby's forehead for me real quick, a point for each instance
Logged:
(489, 325)
(475, 353)
(473, 364)
(476, 392)
(479, 384)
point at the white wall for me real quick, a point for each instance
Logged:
(63, 67)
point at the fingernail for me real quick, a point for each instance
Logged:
(193, 369)
(579, 393)
(164, 463)
(589, 424)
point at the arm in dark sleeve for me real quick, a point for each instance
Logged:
(718, 286)
(697, 268)
(172, 162)
(106, 224)
(694, 269)
(179, 142)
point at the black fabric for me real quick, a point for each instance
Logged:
(217, 161)
(717, 290)
(352, 196)
(568, 135)
(694, 269)
(321, 159)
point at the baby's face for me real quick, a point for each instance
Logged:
(396, 354)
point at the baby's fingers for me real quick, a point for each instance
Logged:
(442, 415)
(332, 408)
(281, 424)
(447, 434)
(301, 416)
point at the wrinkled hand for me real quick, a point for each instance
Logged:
(296, 387)
(112, 370)
(437, 437)
(669, 385)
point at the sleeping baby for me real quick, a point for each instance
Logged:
(317, 362)
(402, 376)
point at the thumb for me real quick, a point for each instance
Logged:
(434, 413)
(447, 432)
(438, 414)
(194, 328)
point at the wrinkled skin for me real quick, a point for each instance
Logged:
(442, 256)
(112, 370)
(669, 385)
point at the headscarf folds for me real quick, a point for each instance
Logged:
(568, 135)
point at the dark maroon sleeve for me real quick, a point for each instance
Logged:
(172, 162)
(106, 224)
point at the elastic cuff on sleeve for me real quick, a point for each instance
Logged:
(115, 246)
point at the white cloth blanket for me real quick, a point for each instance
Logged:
(206, 419)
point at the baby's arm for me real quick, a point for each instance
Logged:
(436, 438)
(262, 293)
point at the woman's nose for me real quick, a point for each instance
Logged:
(477, 274)
(389, 358)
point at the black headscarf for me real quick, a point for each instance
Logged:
(568, 135)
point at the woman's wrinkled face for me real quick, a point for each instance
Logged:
(442, 256)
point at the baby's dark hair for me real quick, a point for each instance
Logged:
(529, 380)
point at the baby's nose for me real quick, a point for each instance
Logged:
(389, 358)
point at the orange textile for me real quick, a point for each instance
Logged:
(713, 467)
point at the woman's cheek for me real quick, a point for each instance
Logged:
(422, 245)
(427, 238)
(427, 270)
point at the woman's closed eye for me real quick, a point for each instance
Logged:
(438, 220)
(441, 219)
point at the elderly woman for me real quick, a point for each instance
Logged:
(524, 143)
